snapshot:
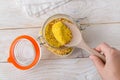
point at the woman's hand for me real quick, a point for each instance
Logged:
(111, 69)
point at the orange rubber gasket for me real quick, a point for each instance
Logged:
(11, 58)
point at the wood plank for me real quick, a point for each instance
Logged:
(64, 69)
(7, 36)
(108, 33)
(96, 34)
(12, 16)
(93, 35)
(96, 11)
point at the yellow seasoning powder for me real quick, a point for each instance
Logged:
(61, 33)
(50, 37)
(58, 41)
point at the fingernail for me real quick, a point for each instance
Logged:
(91, 56)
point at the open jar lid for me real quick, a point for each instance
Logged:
(24, 52)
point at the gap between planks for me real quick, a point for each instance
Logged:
(90, 24)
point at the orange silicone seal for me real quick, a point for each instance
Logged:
(12, 59)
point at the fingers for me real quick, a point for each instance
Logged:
(105, 48)
(98, 63)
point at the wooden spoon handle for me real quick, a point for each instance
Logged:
(101, 56)
(84, 46)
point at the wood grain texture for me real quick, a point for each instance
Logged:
(10, 35)
(15, 22)
(62, 69)
(95, 11)
(108, 33)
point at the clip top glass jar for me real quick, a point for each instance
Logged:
(46, 37)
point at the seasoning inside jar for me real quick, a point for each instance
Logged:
(61, 33)
(57, 34)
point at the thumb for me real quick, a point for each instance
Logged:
(98, 62)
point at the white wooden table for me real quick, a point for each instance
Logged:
(14, 22)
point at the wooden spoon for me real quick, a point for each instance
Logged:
(78, 41)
